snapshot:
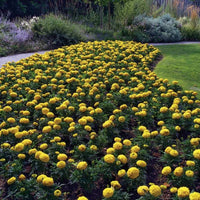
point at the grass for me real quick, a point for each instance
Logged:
(181, 63)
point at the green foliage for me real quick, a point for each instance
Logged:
(124, 13)
(161, 29)
(57, 30)
(190, 33)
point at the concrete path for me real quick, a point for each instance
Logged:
(14, 58)
(17, 57)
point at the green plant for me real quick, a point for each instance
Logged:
(161, 29)
(190, 33)
(57, 30)
(124, 13)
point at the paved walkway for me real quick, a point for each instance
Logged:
(14, 58)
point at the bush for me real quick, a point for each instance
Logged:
(190, 33)
(125, 13)
(57, 30)
(12, 38)
(161, 29)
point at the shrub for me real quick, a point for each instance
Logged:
(13, 38)
(161, 29)
(190, 33)
(57, 30)
(125, 13)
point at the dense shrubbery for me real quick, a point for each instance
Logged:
(57, 31)
(13, 38)
(148, 29)
(92, 121)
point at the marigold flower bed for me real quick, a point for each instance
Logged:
(93, 121)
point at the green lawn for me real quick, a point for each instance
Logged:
(181, 63)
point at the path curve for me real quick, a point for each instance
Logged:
(17, 57)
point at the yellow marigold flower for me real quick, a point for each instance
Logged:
(194, 141)
(163, 109)
(82, 147)
(11, 180)
(164, 132)
(82, 108)
(41, 177)
(127, 142)
(44, 157)
(142, 190)
(108, 192)
(26, 113)
(121, 172)
(161, 123)
(190, 163)
(194, 196)
(178, 171)
(11, 120)
(110, 150)
(21, 156)
(146, 134)
(82, 121)
(122, 158)
(107, 123)
(19, 147)
(61, 164)
(196, 154)
(177, 128)
(24, 121)
(94, 147)
(57, 193)
(98, 110)
(109, 158)
(22, 177)
(43, 146)
(82, 198)
(50, 115)
(115, 184)
(168, 149)
(133, 172)
(117, 145)
(176, 115)
(121, 119)
(82, 165)
(57, 138)
(135, 149)
(71, 108)
(47, 181)
(183, 192)
(135, 109)
(173, 190)
(45, 111)
(117, 139)
(174, 153)
(187, 115)
(27, 142)
(62, 156)
(32, 151)
(166, 170)
(46, 129)
(71, 129)
(155, 190)
(133, 155)
(87, 128)
(7, 109)
(189, 173)
(57, 120)
(141, 163)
